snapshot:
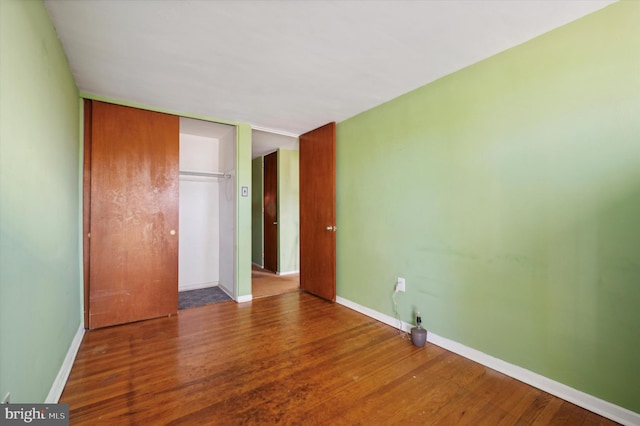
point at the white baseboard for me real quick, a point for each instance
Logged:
(393, 322)
(65, 369)
(197, 286)
(582, 399)
(245, 298)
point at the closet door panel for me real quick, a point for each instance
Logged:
(134, 215)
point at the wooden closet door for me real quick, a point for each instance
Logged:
(133, 266)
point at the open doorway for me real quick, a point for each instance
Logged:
(275, 214)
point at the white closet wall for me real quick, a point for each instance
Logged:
(199, 237)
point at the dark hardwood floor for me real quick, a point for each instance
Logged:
(290, 359)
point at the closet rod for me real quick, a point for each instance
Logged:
(206, 174)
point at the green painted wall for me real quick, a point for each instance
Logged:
(257, 227)
(40, 282)
(243, 225)
(288, 211)
(508, 195)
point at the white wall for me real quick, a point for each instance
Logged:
(199, 239)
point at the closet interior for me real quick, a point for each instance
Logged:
(207, 203)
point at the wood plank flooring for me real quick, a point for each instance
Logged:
(292, 359)
(266, 283)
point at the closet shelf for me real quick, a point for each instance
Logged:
(205, 174)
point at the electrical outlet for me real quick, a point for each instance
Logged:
(6, 398)
(400, 285)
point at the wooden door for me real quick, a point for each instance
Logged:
(271, 212)
(86, 205)
(133, 267)
(318, 212)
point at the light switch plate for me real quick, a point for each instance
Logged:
(245, 191)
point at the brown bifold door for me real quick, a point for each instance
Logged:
(318, 212)
(133, 267)
(271, 212)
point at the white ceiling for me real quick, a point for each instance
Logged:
(287, 66)
(263, 143)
